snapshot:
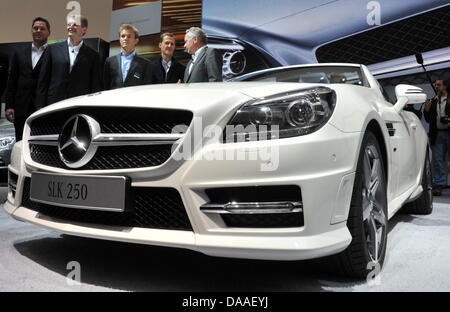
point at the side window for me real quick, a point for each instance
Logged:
(385, 94)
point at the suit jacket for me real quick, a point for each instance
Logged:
(4, 64)
(22, 83)
(140, 73)
(431, 117)
(175, 74)
(57, 82)
(207, 67)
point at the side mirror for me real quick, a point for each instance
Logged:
(407, 94)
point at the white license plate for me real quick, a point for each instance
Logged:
(102, 193)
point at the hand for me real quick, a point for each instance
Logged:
(10, 115)
(427, 105)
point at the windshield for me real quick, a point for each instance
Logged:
(325, 74)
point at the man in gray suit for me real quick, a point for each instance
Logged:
(206, 64)
(127, 69)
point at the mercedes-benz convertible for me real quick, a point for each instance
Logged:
(288, 163)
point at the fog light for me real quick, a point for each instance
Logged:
(12, 183)
(253, 208)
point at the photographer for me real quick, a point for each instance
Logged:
(437, 114)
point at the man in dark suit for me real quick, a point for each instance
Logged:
(167, 69)
(127, 69)
(436, 113)
(206, 64)
(4, 64)
(70, 68)
(23, 77)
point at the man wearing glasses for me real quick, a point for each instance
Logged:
(437, 114)
(70, 68)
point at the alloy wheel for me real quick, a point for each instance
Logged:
(374, 216)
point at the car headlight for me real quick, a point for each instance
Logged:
(7, 141)
(238, 57)
(281, 116)
(234, 64)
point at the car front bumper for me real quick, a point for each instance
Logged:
(322, 165)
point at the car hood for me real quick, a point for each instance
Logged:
(211, 103)
(193, 97)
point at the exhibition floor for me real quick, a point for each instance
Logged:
(34, 259)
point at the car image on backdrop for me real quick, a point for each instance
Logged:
(383, 34)
(341, 162)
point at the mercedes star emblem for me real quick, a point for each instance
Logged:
(75, 148)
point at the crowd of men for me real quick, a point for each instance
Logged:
(42, 74)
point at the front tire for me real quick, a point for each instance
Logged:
(424, 204)
(367, 221)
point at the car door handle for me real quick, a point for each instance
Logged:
(414, 126)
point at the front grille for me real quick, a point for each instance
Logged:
(153, 208)
(113, 122)
(120, 120)
(418, 34)
(107, 158)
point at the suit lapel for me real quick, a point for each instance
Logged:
(199, 59)
(187, 75)
(80, 56)
(172, 69)
(65, 53)
(119, 67)
(29, 55)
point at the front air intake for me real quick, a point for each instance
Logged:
(257, 207)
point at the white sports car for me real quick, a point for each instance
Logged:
(286, 164)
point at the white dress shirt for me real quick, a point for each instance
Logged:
(36, 54)
(73, 52)
(442, 101)
(126, 63)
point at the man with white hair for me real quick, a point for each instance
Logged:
(206, 64)
(69, 68)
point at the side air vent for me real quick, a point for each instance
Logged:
(391, 129)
